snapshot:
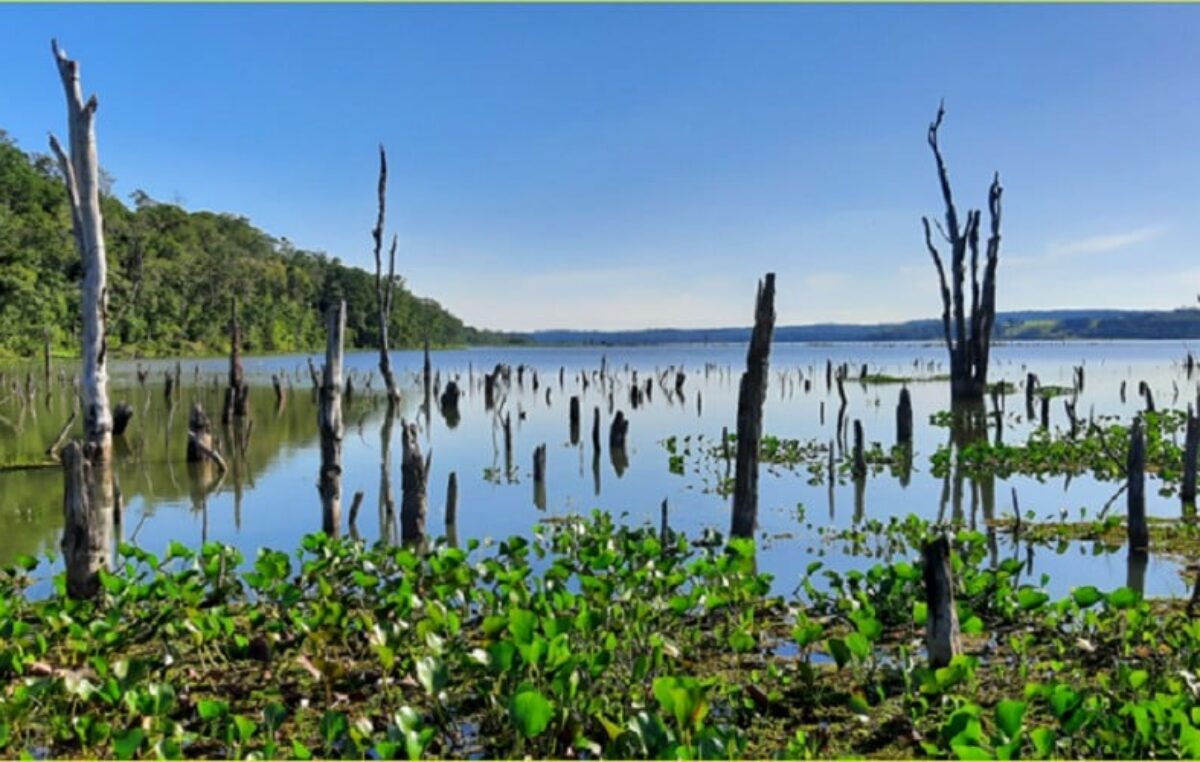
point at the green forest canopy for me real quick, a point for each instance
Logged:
(172, 276)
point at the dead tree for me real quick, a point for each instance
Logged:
(968, 339)
(904, 419)
(88, 523)
(1135, 470)
(859, 467)
(81, 175)
(237, 394)
(1191, 449)
(384, 289)
(539, 477)
(573, 418)
(329, 420)
(448, 403)
(751, 395)
(941, 624)
(122, 414)
(88, 497)
(414, 482)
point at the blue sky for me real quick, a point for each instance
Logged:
(629, 166)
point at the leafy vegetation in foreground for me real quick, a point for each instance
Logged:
(172, 273)
(587, 640)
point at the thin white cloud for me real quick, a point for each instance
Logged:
(1102, 244)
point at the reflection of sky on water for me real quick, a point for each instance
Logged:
(278, 483)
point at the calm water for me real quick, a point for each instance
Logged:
(269, 498)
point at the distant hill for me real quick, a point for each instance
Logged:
(172, 276)
(1026, 325)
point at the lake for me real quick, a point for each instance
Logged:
(269, 497)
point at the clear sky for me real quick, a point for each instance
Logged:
(634, 166)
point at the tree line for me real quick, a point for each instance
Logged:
(173, 275)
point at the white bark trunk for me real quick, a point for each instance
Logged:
(81, 173)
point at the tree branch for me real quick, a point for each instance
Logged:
(943, 176)
(937, 260)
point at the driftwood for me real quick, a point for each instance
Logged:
(968, 338)
(941, 624)
(751, 395)
(56, 445)
(1135, 470)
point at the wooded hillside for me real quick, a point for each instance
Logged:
(172, 275)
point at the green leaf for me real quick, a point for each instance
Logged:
(1087, 596)
(973, 626)
(126, 745)
(964, 751)
(530, 712)
(521, 623)
(1043, 742)
(839, 651)
(432, 674)
(245, 727)
(1029, 598)
(211, 709)
(1009, 714)
(1122, 598)
(920, 613)
(300, 751)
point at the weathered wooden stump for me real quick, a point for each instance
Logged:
(617, 431)
(859, 466)
(1191, 449)
(941, 624)
(904, 419)
(122, 414)
(329, 421)
(449, 404)
(1144, 390)
(539, 477)
(1135, 469)
(1045, 424)
(574, 420)
(414, 481)
(88, 518)
(752, 393)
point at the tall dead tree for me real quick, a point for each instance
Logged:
(237, 394)
(751, 394)
(414, 484)
(384, 289)
(88, 491)
(968, 338)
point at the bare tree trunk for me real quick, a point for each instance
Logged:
(1135, 469)
(941, 624)
(574, 419)
(751, 395)
(384, 290)
(1191, 450)
(859, 468)
(81, 173)
(414, 480)
(329, 421)
(539, 477)
(968, 338)
(904, 419)
(88, 517)
(237, 395)
(88, 492)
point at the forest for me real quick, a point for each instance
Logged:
(173, 275)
